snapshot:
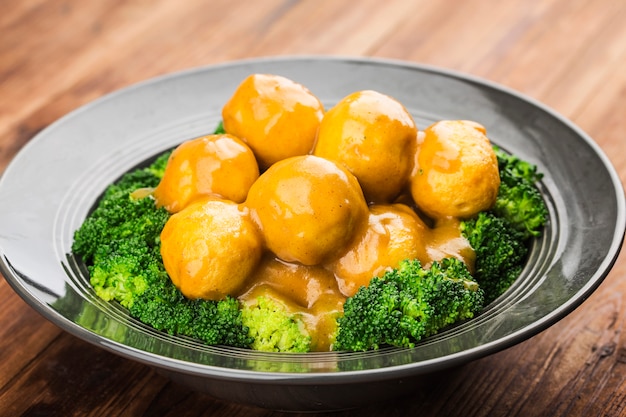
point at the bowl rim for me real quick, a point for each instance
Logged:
(16, 281)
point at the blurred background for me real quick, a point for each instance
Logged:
(56, 55)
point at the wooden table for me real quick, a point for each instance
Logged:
(56, 55)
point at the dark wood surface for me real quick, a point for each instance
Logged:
(56, 55)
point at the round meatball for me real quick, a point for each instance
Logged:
(219, 165)
(278, 118)
(210, 248)
(456, 172)
(374, 136)
(308, 208)
(394, 233)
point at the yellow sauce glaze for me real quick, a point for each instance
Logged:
(392, 233)
(310, 292)
(444, 240)
(218, 165)
(308, 208)
(275, 116)
(314, 228)
(374, 136)
(316, 293)
(210, 248)
(456, 172)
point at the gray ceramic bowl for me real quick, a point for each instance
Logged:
(68, 165)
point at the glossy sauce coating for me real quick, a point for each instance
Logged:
(277, 117)
(392, 233)
(456, 171)
(310, 292)
(210, 248)
(308, 208)
(316, 293)
(314, 228)
(374, 136)
(214, 165)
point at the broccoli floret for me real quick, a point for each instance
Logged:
(119, 216)
(165, 308)
(120, 244)
(500, 237)
(157, 168)
(519, 202)
(274, 328)
(220, 128)
(120, 239)
(408, 304)
(118, 271)
(500, 252)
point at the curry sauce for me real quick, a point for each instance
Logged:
(308, 224)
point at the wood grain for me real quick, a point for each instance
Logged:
(57, 55)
